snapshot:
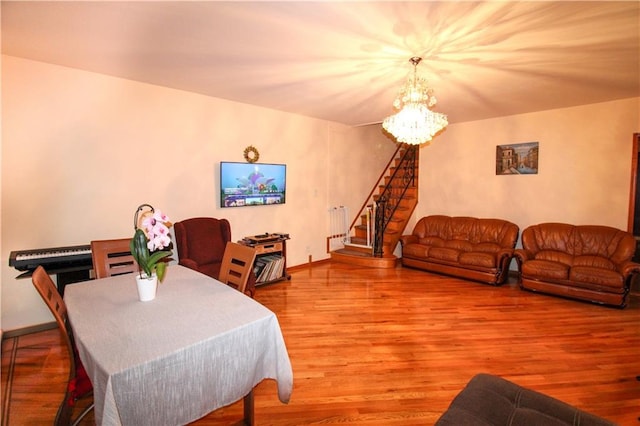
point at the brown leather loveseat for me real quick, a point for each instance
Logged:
(466, 247)
(588, 262)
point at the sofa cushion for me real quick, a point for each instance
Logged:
(431, 240)
(487, 248)
(474, 258)
(595, 261)
(545, 270)
(494, 401)
(444, 253)
(435, 229)
(460, 245)
(549, 236)
(580, 240)
(597, 276)
(600, 241)
(494, 231)
(415, 250)
(555, 256)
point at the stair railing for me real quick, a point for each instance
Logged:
(379, 209)
(369, 200)
(402, 178)
(370, 229)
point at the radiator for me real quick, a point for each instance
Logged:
(338, 227)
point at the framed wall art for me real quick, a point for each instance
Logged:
(517, 159)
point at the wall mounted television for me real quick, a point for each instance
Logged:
(252, 184)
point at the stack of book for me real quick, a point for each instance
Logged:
(268, 267)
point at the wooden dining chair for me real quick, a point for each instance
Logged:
(112, 257)
(237, 265)
(79, 384)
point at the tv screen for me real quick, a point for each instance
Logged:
(252, 184)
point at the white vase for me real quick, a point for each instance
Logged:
(147, 287)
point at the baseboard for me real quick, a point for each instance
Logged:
(306, 265)
(28, 330)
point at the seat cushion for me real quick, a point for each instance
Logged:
(474, 258)
(493, 401)
(210, 269)
(415, 250)
(545, 269)
(597, 276)
(444, 253)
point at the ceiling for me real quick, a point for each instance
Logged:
(345, 61)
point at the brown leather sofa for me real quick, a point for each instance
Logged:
(588, 262)
(466, 247)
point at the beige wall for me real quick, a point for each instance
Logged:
(584, 167)
(80, 151)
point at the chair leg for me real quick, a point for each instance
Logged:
(84, 413)
(63, 417)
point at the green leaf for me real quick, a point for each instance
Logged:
(140, 252)
(161, 269)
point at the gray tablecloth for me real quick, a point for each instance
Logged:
(199, 345)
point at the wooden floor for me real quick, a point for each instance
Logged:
(393, 347)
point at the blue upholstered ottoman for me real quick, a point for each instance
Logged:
(493, 401)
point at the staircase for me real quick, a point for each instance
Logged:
(377, 229)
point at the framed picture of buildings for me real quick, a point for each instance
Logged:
(517, 159)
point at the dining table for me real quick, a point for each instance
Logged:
(198, 346)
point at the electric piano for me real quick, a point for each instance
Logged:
(70, 264)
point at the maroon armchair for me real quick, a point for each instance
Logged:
(201, 242)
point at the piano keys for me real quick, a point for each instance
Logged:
(51, 258)
(70, 264)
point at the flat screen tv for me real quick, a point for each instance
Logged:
(252, 184)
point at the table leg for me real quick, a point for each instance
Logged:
(248, 409)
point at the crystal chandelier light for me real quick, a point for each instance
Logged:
(415, 123)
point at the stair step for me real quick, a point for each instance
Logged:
(395, 224)
(359, 241)
(360, 259)
(401, 199)
(407, 197)
(356, 251)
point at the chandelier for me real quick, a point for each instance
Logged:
(415, 123)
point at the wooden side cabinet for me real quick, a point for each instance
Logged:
(271, 257)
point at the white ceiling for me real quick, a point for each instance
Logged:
(345, 61)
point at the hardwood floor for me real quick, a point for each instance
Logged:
(393, 347)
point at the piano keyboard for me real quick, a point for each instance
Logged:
(52, 258)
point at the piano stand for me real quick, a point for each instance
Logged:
(65, 276)
(71, 264)
(70, 277)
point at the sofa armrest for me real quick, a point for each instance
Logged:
(188, 263)
(628, 268)
(521, 256)
(503, 256)
(408, 239)
(503, 259)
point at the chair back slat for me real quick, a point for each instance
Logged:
(47, 290)
(112, 257)
(237, 265)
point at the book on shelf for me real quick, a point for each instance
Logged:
(269, 267)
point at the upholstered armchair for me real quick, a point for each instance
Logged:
(201, 242)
